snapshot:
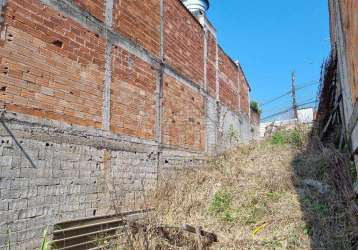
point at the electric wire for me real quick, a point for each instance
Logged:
(287, 110)
(299, 87)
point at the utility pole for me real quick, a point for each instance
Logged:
(294, 103)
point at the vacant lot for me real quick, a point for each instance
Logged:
(276, 194)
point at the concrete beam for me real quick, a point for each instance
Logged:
(106, 110)
(217, 80)
(159, 106)
(28, 127)
(205, 58)
(159, 82)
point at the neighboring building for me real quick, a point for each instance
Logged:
(305, 115)
(99, 89)
(338, 109)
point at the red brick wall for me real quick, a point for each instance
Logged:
(132, 96)
(183, 116)
(184, 41)
(42, 79)
(52, 67)
(95, 7)
(244, 95)
(228, 81)
(211, 64)
(140, 21)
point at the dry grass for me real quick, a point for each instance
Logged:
(255, 197)
(265, 195)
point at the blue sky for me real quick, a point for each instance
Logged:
(271, 39)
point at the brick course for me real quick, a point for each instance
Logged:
(184, 116)
(228, 78)
(59, 33)
(244, 92)
(140, 21)
(94, 7)
(184, 41)
(132, 95)
(42, 83)
(211, 65)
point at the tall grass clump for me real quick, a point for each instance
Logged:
(295, 137)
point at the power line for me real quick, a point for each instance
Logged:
(276, 98)
(276, 114)
(299, 87)
(287, 110)
(279, 107)
(310, 99)
(306, 85)
(304, 104)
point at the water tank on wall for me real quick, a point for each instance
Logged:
(196, 6)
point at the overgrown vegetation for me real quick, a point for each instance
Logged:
(295, 137)
(256, 107)
(276, 194)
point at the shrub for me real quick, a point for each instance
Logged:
(279, 138)
(221, 206)
(295, 137)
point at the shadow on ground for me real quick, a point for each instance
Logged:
(323, 180)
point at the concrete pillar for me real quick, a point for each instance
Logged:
(106, 112)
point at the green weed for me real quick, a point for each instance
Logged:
(307, 229)
(45, 245)
(221, 206)
(294, 137)
(279, 138)
(233, 135)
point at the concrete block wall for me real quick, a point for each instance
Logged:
(106, 96)
(80, 173)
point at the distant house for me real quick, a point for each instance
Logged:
(305, 116)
